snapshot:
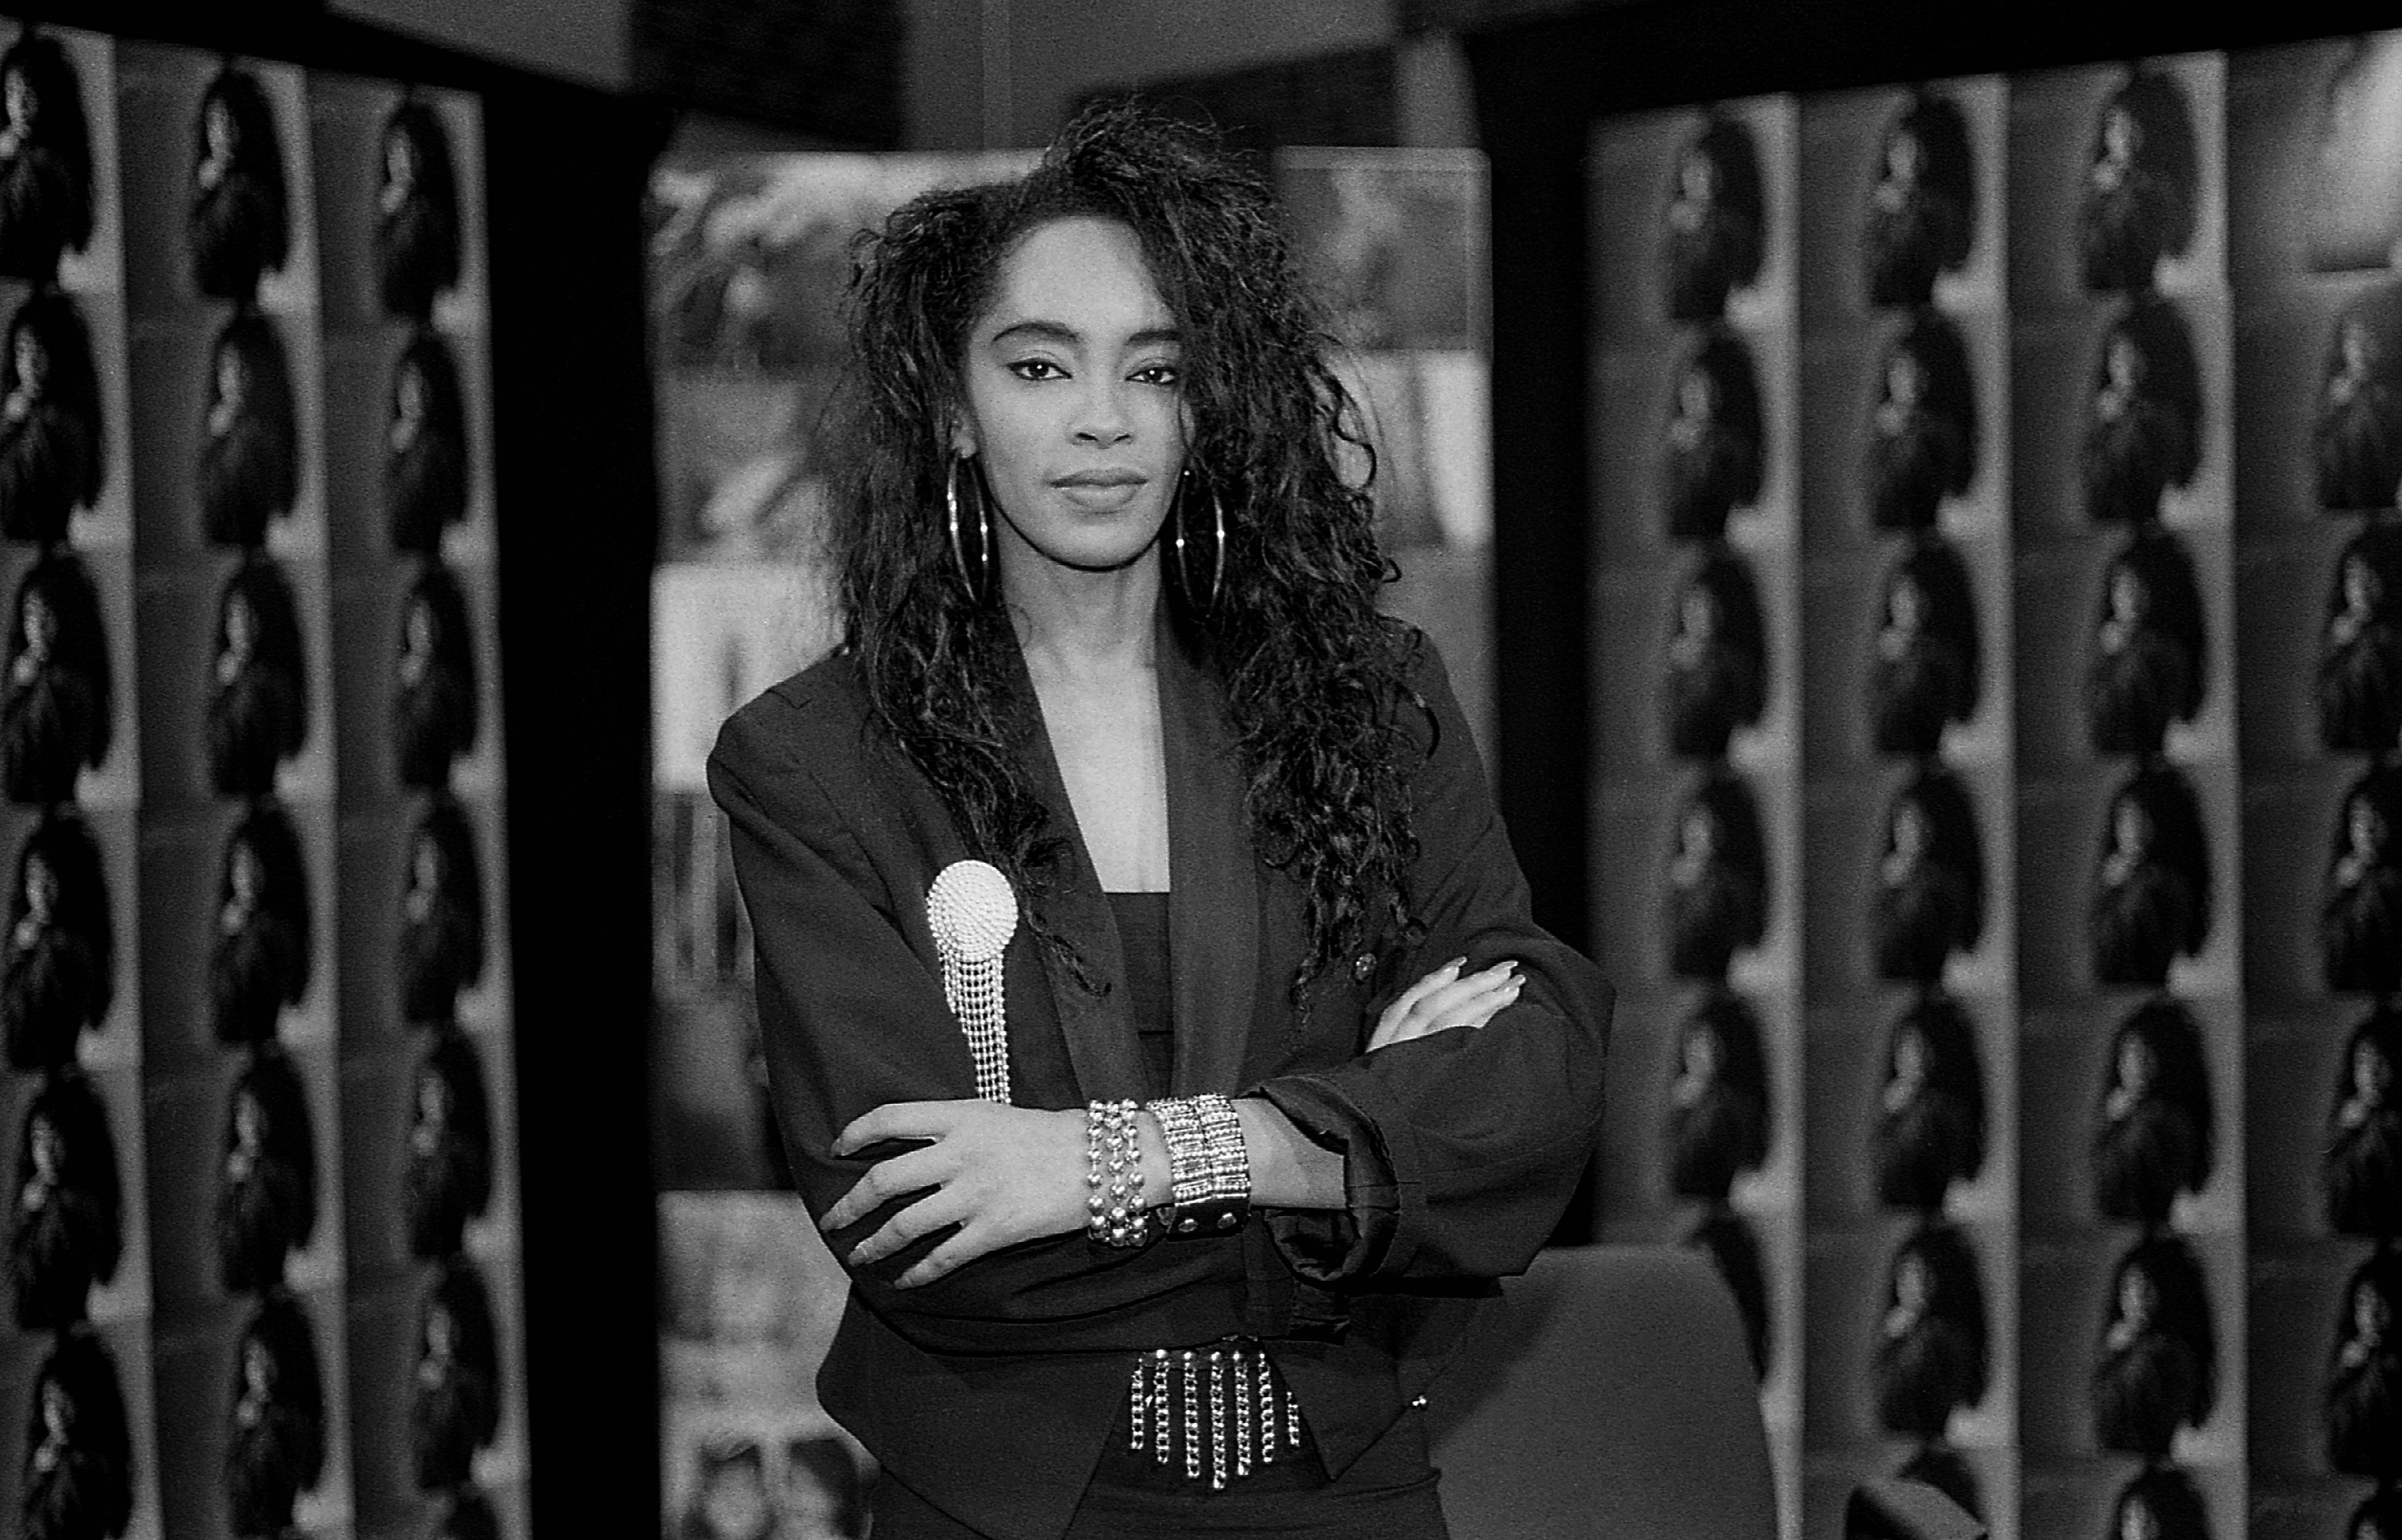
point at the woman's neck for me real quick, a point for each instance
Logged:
(1075, 624)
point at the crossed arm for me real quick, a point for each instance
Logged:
(995, 1176)
(1431, 1155)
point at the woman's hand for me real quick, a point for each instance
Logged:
(1444, 999)
(1001, 1174)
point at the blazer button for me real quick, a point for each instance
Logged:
(1363, 965)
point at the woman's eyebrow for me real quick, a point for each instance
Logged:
(1067, 336)
(1040, 331)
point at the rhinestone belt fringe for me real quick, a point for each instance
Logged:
(1251, 1415)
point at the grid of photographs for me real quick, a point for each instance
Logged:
(1695, 589)
(2091, 386)
(264, 1220)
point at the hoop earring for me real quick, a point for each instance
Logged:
(975, 580)
(1203, 599)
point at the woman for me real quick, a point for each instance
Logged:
(53, 442)
(58, 966)
(1112, 632)
(238, 226)
(45, 160)
(258, 687)
(248, 468)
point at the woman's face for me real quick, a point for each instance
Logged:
(2372, 1076)
(33, 364)
(399, 167)
(420, 630)
(1905, 380)
(2138, 1300)
(244, 877)
(1697, 396)
(41, 889)
(240, 626)
(1699, 1071)
(425, 867)
(1697, 616)
(2129, 601)
(2359, 350)
(2366, 827)
(2120, 138)
(23, 104)
(1908, 1064)
(2130, 831)
(1911, 834)
(1905, 608)
(224, 137)
(1697, 179)
(1902, 155)
(232, 381)
(2361, 589)
(42, 1142)
(2134, 1066)
(407, 401)
(433, 1101)
(1697, 840)
(40, 624)
(1074, 401)
(2370, 1316)
(2123, 364)
(249, 1123)
(257, 1371)
(1913, 1289)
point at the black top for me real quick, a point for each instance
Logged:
(1142, 939)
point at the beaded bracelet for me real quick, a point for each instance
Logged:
(1208, 1167)
(1114, 1174)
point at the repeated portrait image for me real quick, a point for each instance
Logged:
(1694, 567)
(262, 1270)
(2040, 437)
(74, 1215)
(1714, 676)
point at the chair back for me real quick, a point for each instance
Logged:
(1607, 1392)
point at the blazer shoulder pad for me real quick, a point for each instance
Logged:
(821, 708)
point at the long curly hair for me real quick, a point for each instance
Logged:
(56, 327)
(1314, 675)
(42, 62)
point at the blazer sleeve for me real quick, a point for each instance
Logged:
(1461, 1149)
(851, 1018)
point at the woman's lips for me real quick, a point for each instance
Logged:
(1101, 491)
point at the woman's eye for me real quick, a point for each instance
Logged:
(1158, 374)
(1037, 368)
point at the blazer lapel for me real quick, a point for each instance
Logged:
(1101, 1045)
(1213, 904)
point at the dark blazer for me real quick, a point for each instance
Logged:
(990, 1392)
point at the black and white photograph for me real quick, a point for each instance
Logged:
(1330, 688)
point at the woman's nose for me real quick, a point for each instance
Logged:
(1102, 419)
